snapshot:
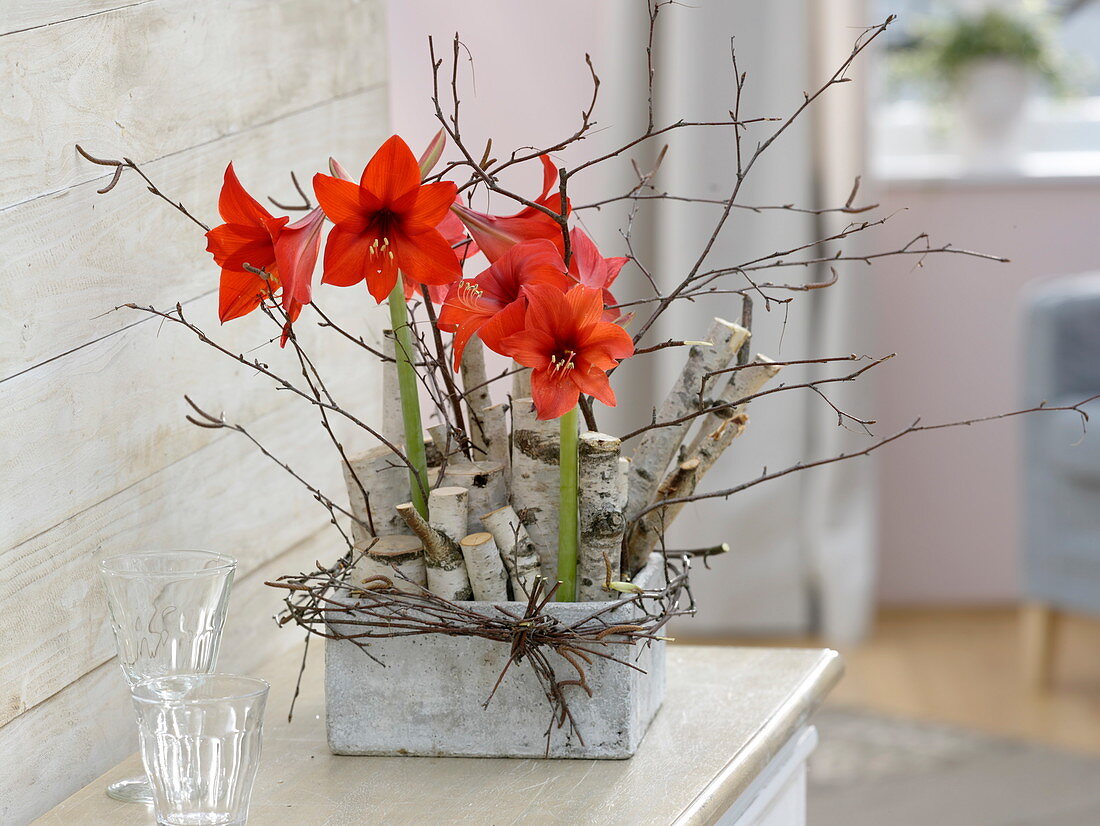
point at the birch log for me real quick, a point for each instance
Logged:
(385, 479)
(719, 429)
(485, 567)
(448, 511)
(717, 432)
(441, 441)
(393, 425)
(601, 486)
(486, 483)
(494, 434)
(535, 481)
(521, 382)
(644, 533)
(445, 567)
(516, 549)
(658, 446)
(401, 558)
(475, 384)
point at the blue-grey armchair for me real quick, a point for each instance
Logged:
(1061, 510)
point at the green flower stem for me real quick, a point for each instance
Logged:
(567, 508)
(410, 400)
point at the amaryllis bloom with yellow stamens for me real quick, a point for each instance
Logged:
(252, 236)
(569, 349)
(471, 303)
(496, 234)
(385, 223)
(450, 227)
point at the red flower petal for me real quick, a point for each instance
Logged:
(236, 206)
(392, 173)
(502, 326)
(342, 202)
(296, 252)
(527, 263)
(585, 306)
(611, 339)
(553, 397)
(346, 256)
(548, 312)
(595, 384)
(239, 294)
(433, 204)
(531, 348)
(234, 245)
(433, 153)
(426, 258)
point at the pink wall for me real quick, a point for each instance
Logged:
(948, 517)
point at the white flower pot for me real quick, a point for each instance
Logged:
(429, 698)
(991, 100)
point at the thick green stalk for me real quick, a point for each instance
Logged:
(410, 400)
(567, 508)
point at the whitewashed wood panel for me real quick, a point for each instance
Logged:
(77, 254)
(156, 78)
(87, 727)
(225, 497)
(20, 15)
(80, 428)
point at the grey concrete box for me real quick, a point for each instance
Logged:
(428, 699)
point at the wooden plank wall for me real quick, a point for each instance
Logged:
(95, 456)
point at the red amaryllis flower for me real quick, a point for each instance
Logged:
(494, 234)
(593, 270)
(386, 222)
(251, 235)
(450, 227)
(567, 345)
(474, 301)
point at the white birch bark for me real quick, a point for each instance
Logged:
(448, 511)
(521, 382)
(439, 434)
(535, 481)
(385, 479)
(476, 390)
(516, 549)
(494, 430)
(485, 567)
(719, 429)
(658, 446)
(486, 483)
(646, 532)
(446, 569)
(601, 488)
(401, 558)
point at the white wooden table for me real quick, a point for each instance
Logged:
(729, 746)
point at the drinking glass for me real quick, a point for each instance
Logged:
(200, 743)
(167, 611)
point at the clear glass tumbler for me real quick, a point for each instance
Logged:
(200, 742)
(167, 611)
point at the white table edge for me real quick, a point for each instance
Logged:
(727, 787)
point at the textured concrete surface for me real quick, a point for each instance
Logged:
(429, 699)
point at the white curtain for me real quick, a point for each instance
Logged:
(803, 545)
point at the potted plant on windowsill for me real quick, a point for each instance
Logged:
(989, 64)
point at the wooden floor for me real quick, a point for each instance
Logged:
(965, 667)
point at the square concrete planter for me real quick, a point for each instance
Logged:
(428, 699)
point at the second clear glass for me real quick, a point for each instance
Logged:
(200, 742)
